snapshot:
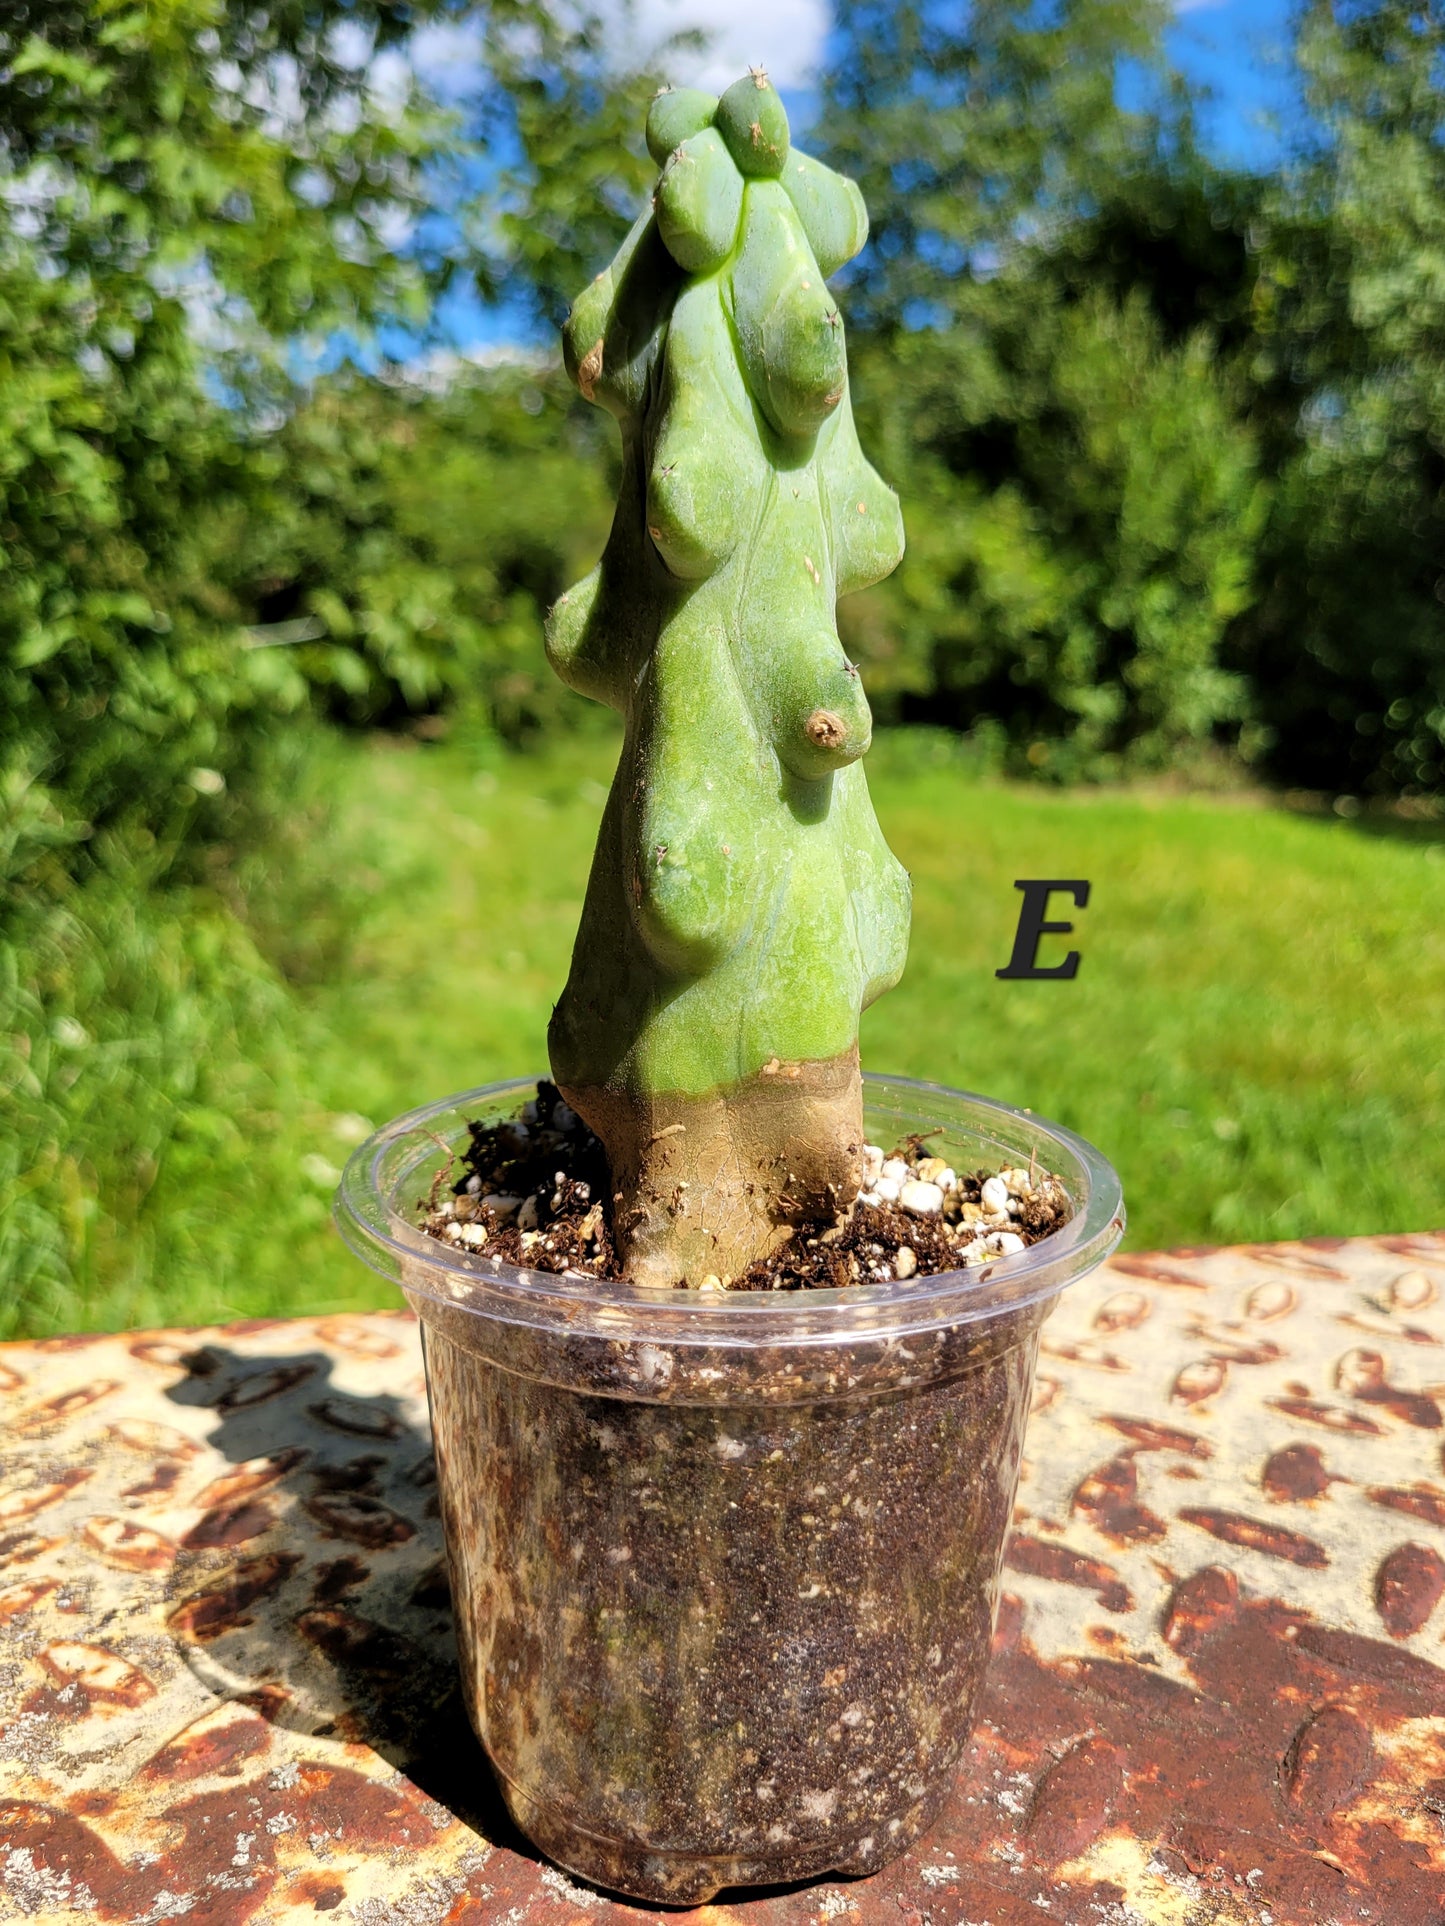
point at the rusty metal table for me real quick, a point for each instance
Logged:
(226, 1673)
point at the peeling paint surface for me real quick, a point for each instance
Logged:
(227, 1677)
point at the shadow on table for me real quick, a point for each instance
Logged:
(333, 1613)
(334, 1618)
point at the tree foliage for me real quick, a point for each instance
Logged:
(188, 185)
(1345, 647)
(400, 543)
(1081, 493)
(1169, 436)
(561, 115)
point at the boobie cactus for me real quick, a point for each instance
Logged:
(743, 907)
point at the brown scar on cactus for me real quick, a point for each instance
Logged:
(743, 907)
(588, 369)
(825, 729)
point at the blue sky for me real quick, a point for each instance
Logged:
(1233, 49)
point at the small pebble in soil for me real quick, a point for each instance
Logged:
(1005, 1243)
(923, 1200)
(522, 1192)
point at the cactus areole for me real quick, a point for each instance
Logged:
(743, 907)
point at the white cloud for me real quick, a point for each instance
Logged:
(351, 44)
(785, 36)
(446, 56)
(438, 368)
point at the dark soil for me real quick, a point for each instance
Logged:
(534, 1192)
(869, 1238)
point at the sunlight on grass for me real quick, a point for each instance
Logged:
(1256, 1035)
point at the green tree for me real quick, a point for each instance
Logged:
(400, 542)
(561, 115)
(1346, 649)
(1048, 390)
(189, 185)
(971, 129)
(1082, 506)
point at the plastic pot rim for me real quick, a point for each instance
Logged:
(382, 1175)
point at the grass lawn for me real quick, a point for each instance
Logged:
(1256, 1036)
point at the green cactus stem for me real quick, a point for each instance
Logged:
(743, 906)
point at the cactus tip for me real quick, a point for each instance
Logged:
(753, 121)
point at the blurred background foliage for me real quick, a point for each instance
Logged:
(1169, 434)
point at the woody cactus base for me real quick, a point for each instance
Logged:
(743, 907)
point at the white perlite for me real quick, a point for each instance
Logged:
(921, 1200)
(928, 1187)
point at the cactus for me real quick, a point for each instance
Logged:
(743, 906)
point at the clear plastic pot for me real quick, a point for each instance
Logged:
(725, 1568)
